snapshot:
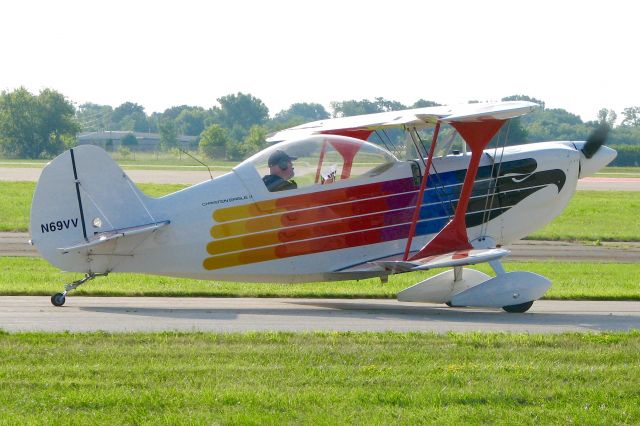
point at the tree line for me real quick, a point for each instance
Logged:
(43, 125)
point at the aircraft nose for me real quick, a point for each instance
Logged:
(603, 156)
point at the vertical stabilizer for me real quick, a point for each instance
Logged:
(80, 194)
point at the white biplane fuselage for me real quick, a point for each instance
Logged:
(88, 216)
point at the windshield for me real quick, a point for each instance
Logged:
(321, 159)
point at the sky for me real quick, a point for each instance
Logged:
(578, 55)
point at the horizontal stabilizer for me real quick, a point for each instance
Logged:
(105, 237)
(446, 260)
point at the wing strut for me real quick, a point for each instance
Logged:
(423, 186)
(477, 134)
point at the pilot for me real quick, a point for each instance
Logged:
(281, 171)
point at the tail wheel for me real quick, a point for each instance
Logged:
(518, 309)
(58, 299)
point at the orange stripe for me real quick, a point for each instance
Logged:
(317, 230)
(279, 205)
(300, 248)
(319, 214)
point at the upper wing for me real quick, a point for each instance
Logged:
(417, 117)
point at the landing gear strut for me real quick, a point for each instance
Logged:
(58, 299)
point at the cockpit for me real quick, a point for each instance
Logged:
(321, 160)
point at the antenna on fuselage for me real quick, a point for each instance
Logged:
(210, 174)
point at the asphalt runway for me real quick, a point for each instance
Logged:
(149, 314)
(595, 183)
(190, 177)
(186, 177)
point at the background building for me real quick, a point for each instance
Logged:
(112, 140)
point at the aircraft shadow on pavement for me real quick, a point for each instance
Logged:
(350, 311)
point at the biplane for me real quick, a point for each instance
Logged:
(355, 211)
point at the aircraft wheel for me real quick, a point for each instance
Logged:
(519, 308)
(58, 299)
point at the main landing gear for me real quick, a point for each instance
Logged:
(513, 309)
(58, 299)
(519, 308)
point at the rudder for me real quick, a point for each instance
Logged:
(80, 194)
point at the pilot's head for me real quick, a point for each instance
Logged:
(280, 164)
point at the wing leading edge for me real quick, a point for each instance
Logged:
(416, 117)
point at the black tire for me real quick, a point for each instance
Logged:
(58, 299)
(518, 309)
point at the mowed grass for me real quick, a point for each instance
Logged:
(622, 172)
(590, 215)
(596, 216)
(15, 205)
(319, 378)
(574, 280)
(17, 196)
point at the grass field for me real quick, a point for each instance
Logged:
(575, 280)
(15, 206)
(590, 216)
(596, 216)
(320, 378)
(327, 378)
(16, 201)
(619, 172)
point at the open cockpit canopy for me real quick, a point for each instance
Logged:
(326, 158)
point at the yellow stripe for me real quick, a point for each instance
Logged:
(245, 211)
(242, 243)
(242, 258)
(246, 226)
